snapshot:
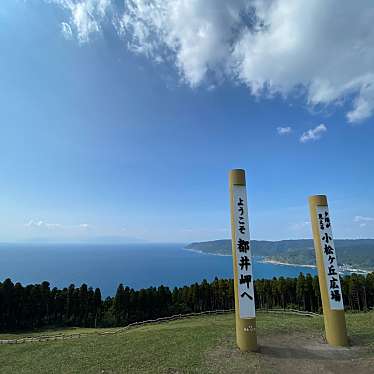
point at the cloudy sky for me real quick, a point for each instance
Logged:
(123, 118)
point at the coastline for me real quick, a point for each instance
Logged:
(275, 262)
(205, 253)
(258, 258)
(343, 269)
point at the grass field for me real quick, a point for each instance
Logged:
(289, 344)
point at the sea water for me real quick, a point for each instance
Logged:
(134, 265)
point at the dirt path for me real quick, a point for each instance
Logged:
(292, 353)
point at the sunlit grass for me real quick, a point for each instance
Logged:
(178, 346)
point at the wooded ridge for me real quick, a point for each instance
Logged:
(35, 306)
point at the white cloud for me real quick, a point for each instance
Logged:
(42, 224)
(300, 226)
(47, 225)
(284, 130)
(33, 223)
(66, 31)
(313, 134)
(321, 49)
(279, 46)
(363, 221)
(364, 103)
(194, 35)
(86, 16)
(52, 225)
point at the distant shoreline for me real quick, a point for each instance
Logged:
(342, 268)
(205, 252)
(262, 259)
(275, 262)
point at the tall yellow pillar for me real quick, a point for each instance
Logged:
(329, 283)
(245, 316)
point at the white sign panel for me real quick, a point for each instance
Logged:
(243, 254)
(330, 262)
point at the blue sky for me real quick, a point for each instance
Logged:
(118, 122)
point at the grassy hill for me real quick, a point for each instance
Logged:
(356, 252)
(289, 344)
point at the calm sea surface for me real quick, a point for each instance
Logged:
(135, 265)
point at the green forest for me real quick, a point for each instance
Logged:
(37, 305)
(355, 252)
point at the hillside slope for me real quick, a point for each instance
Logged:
(289, 344)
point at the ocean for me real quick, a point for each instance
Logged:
(135, 265)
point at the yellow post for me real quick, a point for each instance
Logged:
(328, 274)
(245, 316)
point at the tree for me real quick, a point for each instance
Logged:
(37, 305)
(97, 306)
(119, 305)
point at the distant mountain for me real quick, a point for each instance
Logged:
(355, 252)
